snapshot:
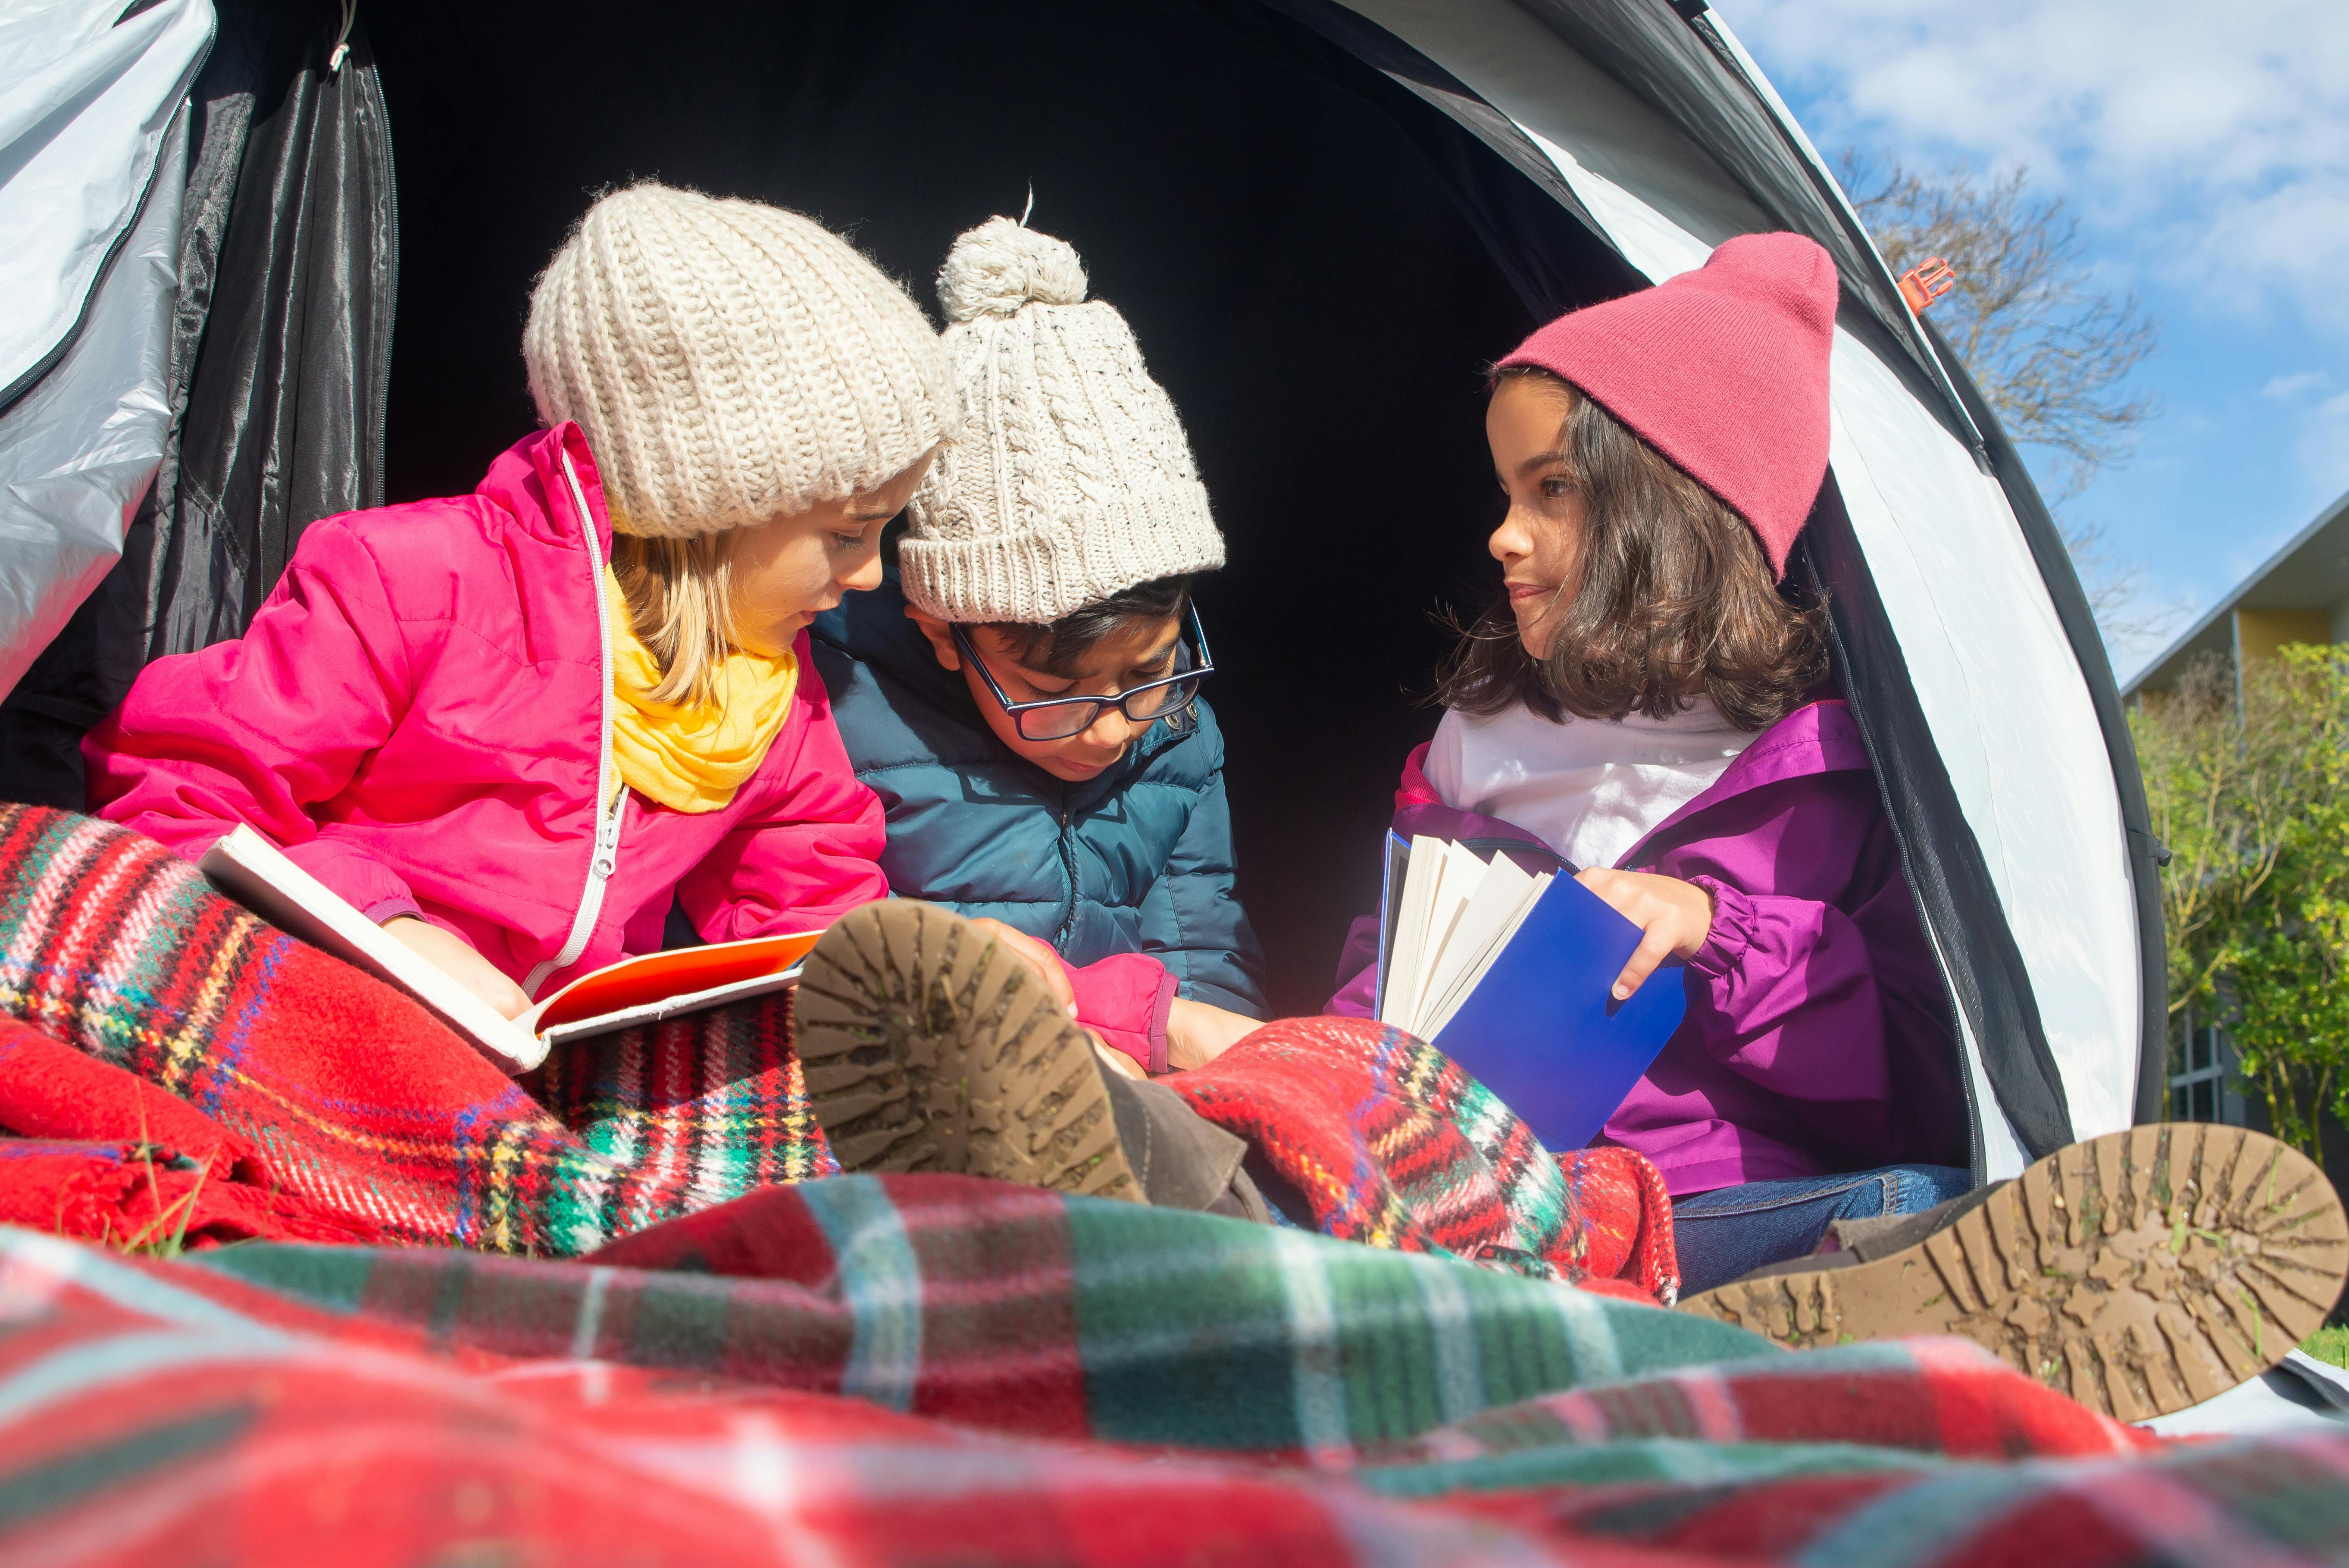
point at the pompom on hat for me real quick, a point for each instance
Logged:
(730, 362)
(1071, 479)
(1722, 370)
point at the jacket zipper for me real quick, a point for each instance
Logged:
(1069, 855)
(605, 858)
(1069, 868)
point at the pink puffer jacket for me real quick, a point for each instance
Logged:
(421, 716)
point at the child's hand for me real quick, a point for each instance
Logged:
(454, 956)
(1037, 956)
(1197, 1032)
(1676, 917)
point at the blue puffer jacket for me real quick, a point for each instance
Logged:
(1137, 860)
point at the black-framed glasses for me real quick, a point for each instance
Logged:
(1057, 718)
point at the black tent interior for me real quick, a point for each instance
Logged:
(1270, 212)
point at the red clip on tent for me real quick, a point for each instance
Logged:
(1321, 218)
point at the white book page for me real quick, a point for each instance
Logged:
(256, 874)
(1500, 897)
(1419, 883)
(1444, 1013)
(1464, 871)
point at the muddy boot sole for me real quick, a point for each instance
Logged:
(2140, 1273)
(927, 1046)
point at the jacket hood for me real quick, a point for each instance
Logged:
(527, 481)
(1820, 737)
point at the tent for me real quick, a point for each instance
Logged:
(1321, 217)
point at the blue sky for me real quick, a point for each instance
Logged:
(2205, 148)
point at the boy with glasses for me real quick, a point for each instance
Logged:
(1023, 693)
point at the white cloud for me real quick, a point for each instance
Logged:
(2285, 388)
(2209, 144)
(2321, 440)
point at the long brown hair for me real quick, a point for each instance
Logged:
(1676, 601)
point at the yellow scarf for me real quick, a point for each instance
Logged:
(692, 756)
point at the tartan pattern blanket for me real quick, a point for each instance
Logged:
(1000, 1300)
(351, 1096)
(1422, 1157)
(345, 1097)
(103, 1156)
(900, 1394)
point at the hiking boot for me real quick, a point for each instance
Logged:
(927, 1046)
(2140, 1273)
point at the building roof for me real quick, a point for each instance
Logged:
(2310, 572)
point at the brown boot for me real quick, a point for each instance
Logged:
(926, 1046)
(2140, 1273)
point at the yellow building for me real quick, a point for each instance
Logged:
(2301, 594)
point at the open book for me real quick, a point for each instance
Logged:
(256, 874)
(1510, 974)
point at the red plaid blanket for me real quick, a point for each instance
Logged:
(1396, 1146)
(302, 1405)
(346, 1105)
(107, 1157)
(855, 1371)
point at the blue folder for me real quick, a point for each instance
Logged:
(1542, 1030)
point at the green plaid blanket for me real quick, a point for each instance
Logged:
(1015, 1308)
(926, 1370)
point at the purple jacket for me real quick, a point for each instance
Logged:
(1817, 1037)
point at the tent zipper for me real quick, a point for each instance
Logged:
(605, 858)
(386, 313)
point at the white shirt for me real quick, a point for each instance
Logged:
(1589, 788)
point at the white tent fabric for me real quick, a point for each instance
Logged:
(1949, 558)
(84, 110)
(94, 144)
(2255, 1407)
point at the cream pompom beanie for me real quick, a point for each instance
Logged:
(730, 361)
(1071, 479)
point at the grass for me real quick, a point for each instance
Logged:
(166, 1235)
(2330, 1346)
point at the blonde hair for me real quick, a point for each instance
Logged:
(681, 598)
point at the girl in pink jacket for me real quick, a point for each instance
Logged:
(515, 726)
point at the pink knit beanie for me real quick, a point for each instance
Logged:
(1722, 370)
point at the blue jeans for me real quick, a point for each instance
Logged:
(1732, 1231)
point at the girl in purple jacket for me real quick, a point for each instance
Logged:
(1650, 706)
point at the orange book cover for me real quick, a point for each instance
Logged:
(621, 991)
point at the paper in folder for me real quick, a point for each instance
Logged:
(1511, 973)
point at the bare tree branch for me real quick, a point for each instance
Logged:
(2049, 349)
(2051, 352)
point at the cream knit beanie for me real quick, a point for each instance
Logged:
(1071, 479)
(730, 361)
